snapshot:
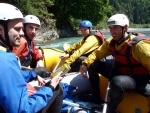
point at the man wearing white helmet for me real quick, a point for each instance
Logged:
(131, 56)
(27, 52)
(13, 92)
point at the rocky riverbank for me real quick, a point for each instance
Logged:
(48, 32)
(45, 34)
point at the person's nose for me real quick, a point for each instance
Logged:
(33, 30)
(21, 33)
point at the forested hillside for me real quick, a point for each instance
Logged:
(95, 10)
(138, 11)
(65, 15)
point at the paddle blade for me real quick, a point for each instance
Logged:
(66, 46)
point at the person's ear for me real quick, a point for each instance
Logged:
(90, 29)
(126, 28)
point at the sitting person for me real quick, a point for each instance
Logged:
(131, 55)
(27, 52)
(13, 92)
(80, 50)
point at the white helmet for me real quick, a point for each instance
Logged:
(8, 12)
(31, 19)
(118, 19)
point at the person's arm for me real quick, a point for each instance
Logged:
(73, 47)
(14, 89)
(28, 75)
(141, 52)
(98, 54)
(69, 51)
(35, 73)
(90, 44)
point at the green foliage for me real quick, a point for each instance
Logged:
(75, 11)
(140, 25)
(138, 11)
(35, 7)
(71, 12)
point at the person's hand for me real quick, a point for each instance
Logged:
(64, 68)
(56, 79)
(41, 81)
(40, 63)
(41, 71)
(62, 55)
(84, 71)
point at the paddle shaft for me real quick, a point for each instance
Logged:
(109, 67)
(57, 65)
(79, 106)
(27, 68)
(106, 98)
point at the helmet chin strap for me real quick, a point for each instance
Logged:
(6, 42)
(2, 42)
(26, 37)
(25, 34)
(122, 35)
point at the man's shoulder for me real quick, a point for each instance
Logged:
(92, 37)
(6, 55)
(3, 49)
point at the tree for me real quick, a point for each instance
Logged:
(93, 10)
(35, 7)
(137, 10)
(68, 13)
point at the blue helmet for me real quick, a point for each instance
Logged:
(85, 23)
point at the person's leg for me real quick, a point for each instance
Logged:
(33, 63)
(75, 66)
(118, 85)
(98, 67)
(55, 104)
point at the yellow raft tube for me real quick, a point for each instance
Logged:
(51, 58)
(132, 103)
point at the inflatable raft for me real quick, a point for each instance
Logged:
(51, 57)
(132, 103)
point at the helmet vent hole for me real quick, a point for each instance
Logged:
(17, 9)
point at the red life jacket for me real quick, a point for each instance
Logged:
(124, 60)
(99, 34)
(31, 89)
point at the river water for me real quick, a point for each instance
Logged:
(58, 43)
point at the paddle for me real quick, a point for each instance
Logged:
(80, 106)
(109, 67)
(66, 46)
(27, 68)
(64, 101)
(57, 65)
(106, 98)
